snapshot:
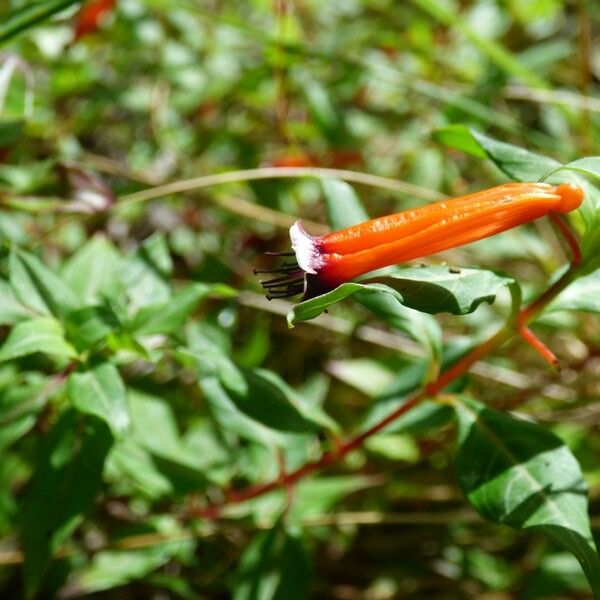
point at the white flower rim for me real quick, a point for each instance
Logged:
(307, 254)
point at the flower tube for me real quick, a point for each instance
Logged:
(324, 262)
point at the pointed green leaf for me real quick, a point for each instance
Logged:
(446, 289)
(155, 428)
(39, 288)
(92, 270)
(67, 477)
(588, 165)
(263, 397)
(90, 325)
(145, 275)
(42, 334)
(100, 391)
(344, 207)
(274, 567)
(20, 406)
(269, 400)
(230, 419)
(12, 310)
(518, 473)
(460, 138)
(114, 568)
(309, 309)
(518, 163)
(428, 289)
(169, 316)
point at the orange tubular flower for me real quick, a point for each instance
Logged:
(324, 262)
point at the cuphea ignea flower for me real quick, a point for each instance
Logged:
(324, 262)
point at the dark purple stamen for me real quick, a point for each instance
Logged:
(291, 280)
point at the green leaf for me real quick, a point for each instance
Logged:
(114, 568)
(255, 405)
(313, 498)
(100, 391)
(42, 334)
(145, 275)
(427, 416)
(344, 207)
(583, 295)
(29, 15)
(90, 325)
(212, 361)
(460, 138)
(427, 289)
(67, 478)
(169, 316)
(440, 289)
(11, 310)
(154, 424)
(309, 309)
(20, 406)
(131, 468)
(274, 566)
(517, 473)
(269, 400)
(230, 419)
(369, 376)
(588, 165)
(155, 253)
(322, 109)
(155, 428)
(92, 271)
(516, 162)
(394, 447)
(265, 398)
(38, 287)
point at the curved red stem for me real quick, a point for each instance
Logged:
(529, 312)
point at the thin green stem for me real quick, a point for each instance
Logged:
(188, 185)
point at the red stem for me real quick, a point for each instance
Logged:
(328, 458)
(527, 314)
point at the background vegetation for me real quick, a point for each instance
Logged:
(144, 378)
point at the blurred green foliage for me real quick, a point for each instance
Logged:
(142, 374)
